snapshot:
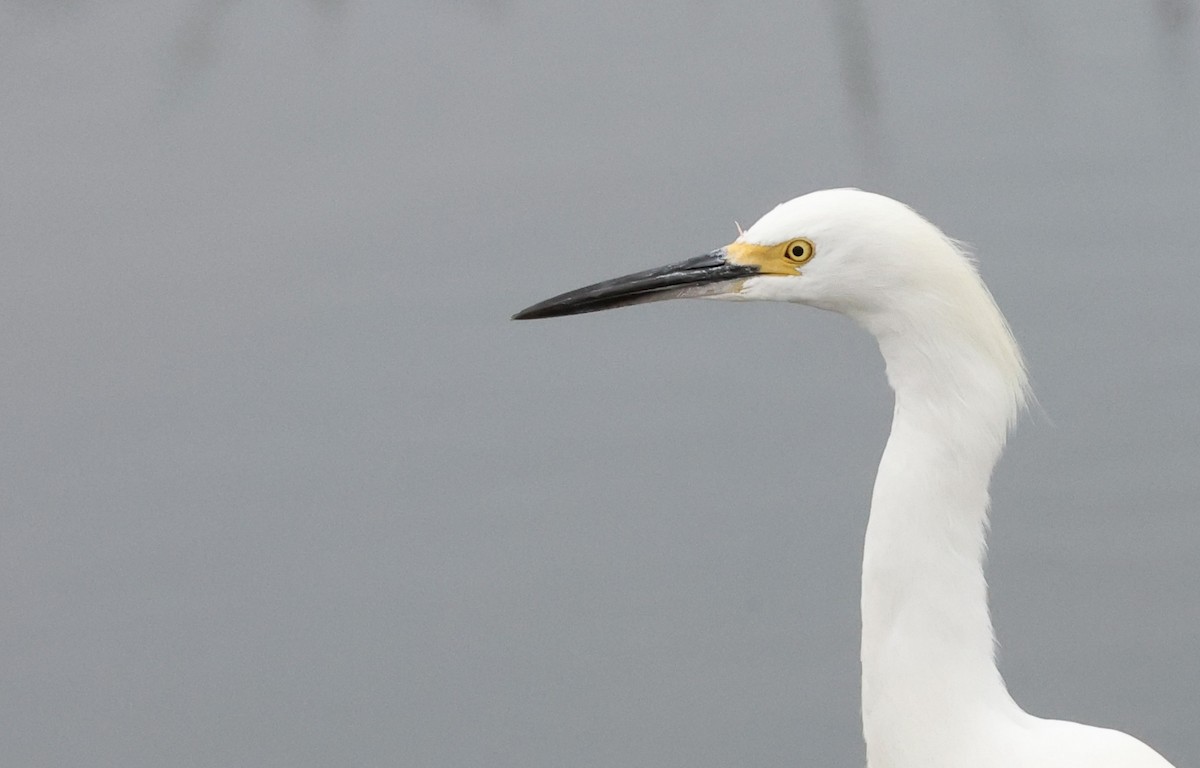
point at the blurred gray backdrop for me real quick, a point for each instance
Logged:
(283, 486)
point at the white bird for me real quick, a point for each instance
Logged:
(932, 696)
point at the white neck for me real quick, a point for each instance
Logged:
(930, 681)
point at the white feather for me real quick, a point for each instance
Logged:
(932, 696)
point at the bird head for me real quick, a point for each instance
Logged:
(868, 257)
(842, 249)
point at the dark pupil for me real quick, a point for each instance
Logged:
(798, 251)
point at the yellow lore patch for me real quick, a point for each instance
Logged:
(779, 259)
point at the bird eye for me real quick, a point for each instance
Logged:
(798, 251)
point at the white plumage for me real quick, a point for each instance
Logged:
(932, 696)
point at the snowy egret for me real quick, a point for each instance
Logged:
(932, 696)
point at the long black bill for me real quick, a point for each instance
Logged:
(671, 281)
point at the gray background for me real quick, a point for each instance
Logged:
(282, 485)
